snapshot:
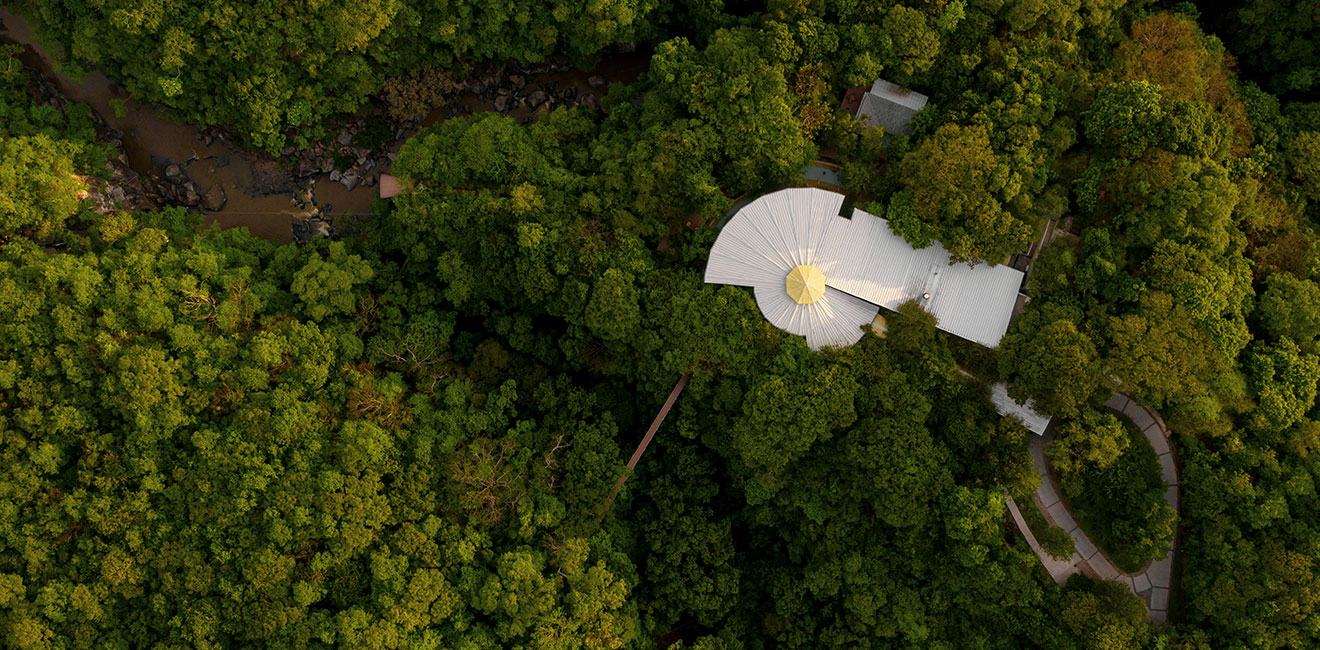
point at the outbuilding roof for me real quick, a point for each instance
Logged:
(864, 264)
(890, 106)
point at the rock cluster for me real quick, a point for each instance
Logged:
(364, 166)
(123, 191)
(314, 220)
(512, 87)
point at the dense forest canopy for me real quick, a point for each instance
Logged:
(405, 438)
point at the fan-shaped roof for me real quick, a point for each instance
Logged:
(861, 265)
(771, 237)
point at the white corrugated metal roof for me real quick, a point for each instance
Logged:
(771, 236)
(879, 266)
(865, 264)
(1026, 413)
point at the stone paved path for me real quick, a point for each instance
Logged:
(1152, 584)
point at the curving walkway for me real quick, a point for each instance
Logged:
(1152, 584)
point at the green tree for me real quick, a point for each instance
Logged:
(1092, 441)
(785, 414)
(1048, 359)
(1290, 309)
(613, 312)
(916, 44)
(955, 192)
(39, 190)
(1102, 615)
(326, 284)
(1283, 379)
(1159, 355)
(1276, 39)
(1303, 152)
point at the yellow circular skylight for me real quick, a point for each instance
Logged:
(805, 284)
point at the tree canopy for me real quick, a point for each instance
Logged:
(408, 437)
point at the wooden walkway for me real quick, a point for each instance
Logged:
(646, 440)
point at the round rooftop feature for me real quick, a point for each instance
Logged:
(805, 284)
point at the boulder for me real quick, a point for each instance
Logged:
(214, 199)
(502, 103)
(190, 195)
(173, 172)
(350, 179)
(335, 175)
(590, 100)
(596, 81)
(536, 98)
(307, 166)
(345, 138)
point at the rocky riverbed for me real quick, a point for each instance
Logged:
(303, 192)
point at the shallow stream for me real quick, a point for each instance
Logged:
(152, 142)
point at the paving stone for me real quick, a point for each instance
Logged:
(1168, 470)
(1038, 460)
(1160, 573)
(1159, 420)
(1159, 599)
(1139, 416)
(1117, 401)
(1104, 569)
(1171, 496)
(1047, 494)
(1140, 583)
(1084, 546)
(1156, 439)
(1058, 570)
(1059, 515)
(1126, 581)
(1159, 617)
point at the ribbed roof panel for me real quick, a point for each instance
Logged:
(865, 265)
(1026, 413)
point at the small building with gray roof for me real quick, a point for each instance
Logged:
(890, 107)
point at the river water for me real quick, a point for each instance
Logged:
(152, 141)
